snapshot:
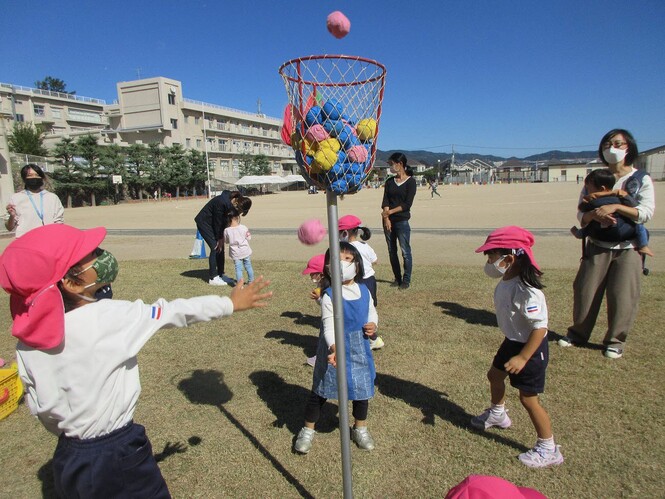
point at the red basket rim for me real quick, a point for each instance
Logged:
(332, 56)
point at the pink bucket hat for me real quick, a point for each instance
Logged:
(491, 487)
(315, 265)
(510, 237)
(30, 269)
(348, 222)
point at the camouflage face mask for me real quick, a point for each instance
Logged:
(106, 267)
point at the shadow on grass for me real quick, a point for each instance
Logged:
(470, 315)
(303, 319)
(553, 336)
(287, 403)
(307, 342)
(196, 274)
(207, 387)
(434, 403)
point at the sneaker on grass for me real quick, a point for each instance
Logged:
(487, 420)
(565, 341)
(377, 343)
(217, 281)
(613, 353)
(539, 457)
(362, 438)
(304, 440)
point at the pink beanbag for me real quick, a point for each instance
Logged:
(338, 24)
(311, 232)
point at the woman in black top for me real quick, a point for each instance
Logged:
(211, 222)
(398, 195)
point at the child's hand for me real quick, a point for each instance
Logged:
(515, 364)
(369, 329)
(315, 294)
(250, 296)
(332, 356)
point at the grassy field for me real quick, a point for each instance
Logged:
(222, 401)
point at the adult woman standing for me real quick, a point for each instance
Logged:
(211, 222)
(34, 206)
(398, 195)
(610, 268)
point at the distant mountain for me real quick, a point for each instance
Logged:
(432, 158)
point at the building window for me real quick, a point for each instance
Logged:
(39, 110)
(85, 116)
(224, 164)
(222, 144)
(20, 118)
(196, 120)
(186, 119)
(55, 112)
(174, 123)
(188, 143)
(172, 99)
(198, 143)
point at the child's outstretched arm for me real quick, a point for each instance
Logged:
(250, 296)
(516, 364)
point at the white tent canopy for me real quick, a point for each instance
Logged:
(261, 180)
(294, 178)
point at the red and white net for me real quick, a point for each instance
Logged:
(332, 119)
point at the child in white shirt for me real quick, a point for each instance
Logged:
(237, 236)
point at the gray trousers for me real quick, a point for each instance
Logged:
(615, 273)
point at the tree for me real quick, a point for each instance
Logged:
(254, 165)
(89, 150)
(199, 172)
(157, 169)
(53, 84)
(179, 168)
(68, 181)
(112, 162)
(27, 138)
(137, 178)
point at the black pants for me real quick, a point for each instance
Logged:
(215, 260)
(117, 465)
(315, 403)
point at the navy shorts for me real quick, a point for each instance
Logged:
(531, 379)
(117, 465)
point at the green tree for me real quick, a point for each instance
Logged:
(157, 169)
(137, 175)
(112, 162)
(179, 168)
(199, 172)
(68, 182)
(89, 150)
(262, 165)
(53, 84)
(27, 138)
(254, 165)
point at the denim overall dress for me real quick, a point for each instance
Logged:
(360, 371)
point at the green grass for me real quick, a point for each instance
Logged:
(232, 392)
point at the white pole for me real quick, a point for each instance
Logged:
(205, 145)
(340, 346)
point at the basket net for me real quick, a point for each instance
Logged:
(332, 119)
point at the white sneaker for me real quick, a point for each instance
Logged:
(217, 281)
(541, 458)
(362, 438)
(304, 440)
(377, 343)
(487, 420)
(613, 353)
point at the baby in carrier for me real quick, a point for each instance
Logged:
(598, 185)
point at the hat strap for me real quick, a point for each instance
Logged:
(40, 293)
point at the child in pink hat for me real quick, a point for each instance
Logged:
(77, 356)
(521, 312)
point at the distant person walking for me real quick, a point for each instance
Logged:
(211, 222)
(34, 206)
(433, 185)
(398, 194)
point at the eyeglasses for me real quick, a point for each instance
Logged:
(614, 143)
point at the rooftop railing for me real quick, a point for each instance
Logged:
(50, 93)
(223, 108)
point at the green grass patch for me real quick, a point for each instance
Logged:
(232, 394)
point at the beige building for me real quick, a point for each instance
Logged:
(147, 111)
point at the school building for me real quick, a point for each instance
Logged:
(150, 110)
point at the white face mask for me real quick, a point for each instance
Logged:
(614, 155)
(348, 271)
(493, 269)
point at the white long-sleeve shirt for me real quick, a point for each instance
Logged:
(349, 292)
(89, 386)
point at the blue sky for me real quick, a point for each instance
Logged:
(504, 77)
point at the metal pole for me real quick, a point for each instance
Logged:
(340, 347)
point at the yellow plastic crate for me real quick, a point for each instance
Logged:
(11, 390)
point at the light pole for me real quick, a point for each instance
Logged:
(438, 170)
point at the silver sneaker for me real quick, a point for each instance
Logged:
(487, 420)
(362, 438)
(539, 457)
(304, 440)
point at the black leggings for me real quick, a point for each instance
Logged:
(215, 260)
(315, 403)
